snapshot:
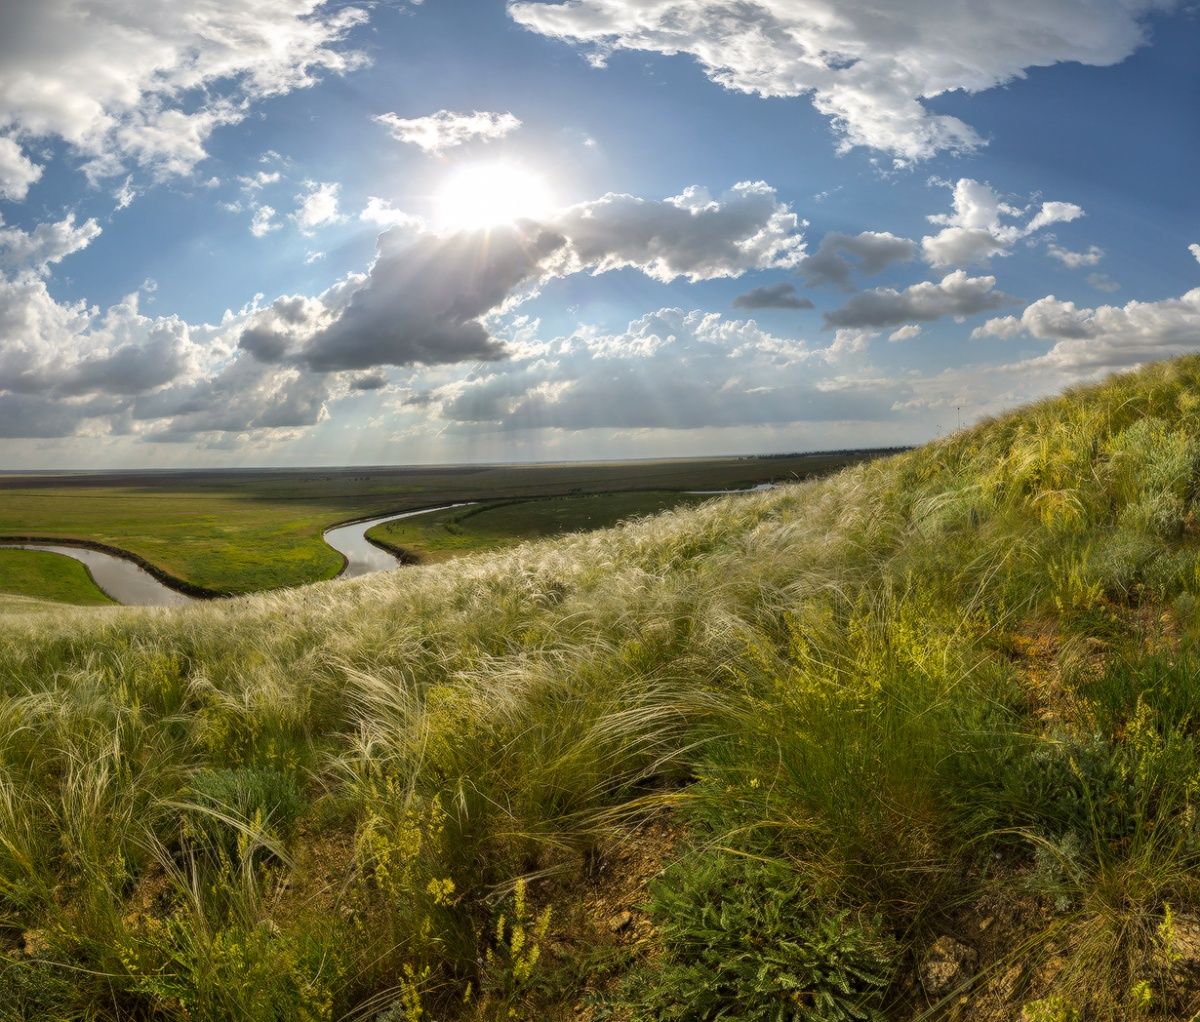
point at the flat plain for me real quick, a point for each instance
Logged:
(236, 532)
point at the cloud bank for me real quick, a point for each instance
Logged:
(146, 82)
(868, 66)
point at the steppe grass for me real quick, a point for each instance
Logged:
(497, 525)
(869, 709)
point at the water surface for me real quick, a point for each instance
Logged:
(125, 581)
(362, 556)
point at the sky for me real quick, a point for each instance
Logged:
(292, 232)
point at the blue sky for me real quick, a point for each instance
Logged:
(289, 232)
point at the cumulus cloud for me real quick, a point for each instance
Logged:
(422, 301)
(62, 351)
(872, 252)
(692, 235)
(446, 129)
(1195, 250)
(669, 369)
(905, 333)
(263, 222)
(1075, 260)
(982, 225)
(369, 381)
(773, 296)
(318, 205)
(383, 213)
(119, 85)
(868, 66)
(67, 367)
(244, 395)
(17, 171)
(1104, 337)
(425, 296)
(427, 300)
(46, 244)
(955, 295)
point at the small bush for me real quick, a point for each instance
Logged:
(233, 804)
(742, 942)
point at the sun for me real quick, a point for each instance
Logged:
(489, 194)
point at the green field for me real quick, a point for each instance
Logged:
(494, 526)
(46, 576)
(244, 531)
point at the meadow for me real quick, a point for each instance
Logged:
(914, 741)
(45, 576)
(494, 525)
(237, 532)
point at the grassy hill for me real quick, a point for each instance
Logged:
(915, 741)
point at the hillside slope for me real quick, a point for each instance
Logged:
(914, 741)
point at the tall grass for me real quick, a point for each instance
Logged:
(905, 692)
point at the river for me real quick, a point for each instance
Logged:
(362, 556)
(129, 583)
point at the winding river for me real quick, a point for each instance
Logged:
(123, 580)
(129, 583)
(362, 556)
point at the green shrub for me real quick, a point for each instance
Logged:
(232, 808)
(743, 942)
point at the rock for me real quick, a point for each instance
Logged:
(621, 921)
(946, 966)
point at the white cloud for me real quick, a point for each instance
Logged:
(125, 195)
(873, 252)
(46, 244)
(1075, 260)
(446, 129)
(669, 369)
(117, 81)
(692, 235)
(955, 295)
(382, 213)
(867, 65)
(1195, 250)
(263, 222)
(1105, 337)
(257, 181)
(982, 225)
(427, 300)
(905, 333)
(17, 171)
(426, 295)
(318, 205)
(79, 358)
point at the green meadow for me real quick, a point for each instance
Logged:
(915, 741)
(496, 525)
(237, 532)
(46, 576)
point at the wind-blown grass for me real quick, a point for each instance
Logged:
(950, 693)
